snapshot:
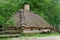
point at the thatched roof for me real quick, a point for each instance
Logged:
(28, 18)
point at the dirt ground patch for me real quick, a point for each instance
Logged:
(37, 38)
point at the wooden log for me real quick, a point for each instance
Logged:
(9, 35)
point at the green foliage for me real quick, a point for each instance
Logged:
(41, 35)
(1, 19)
(54, 13)
(8, 7)
(48, 9)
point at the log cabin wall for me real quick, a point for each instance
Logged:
(34, 30)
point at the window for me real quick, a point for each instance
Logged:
(39, 29)
(15, 29)
(31, 29)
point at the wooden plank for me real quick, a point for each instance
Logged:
(9, 35)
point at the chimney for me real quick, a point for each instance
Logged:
(26, 7)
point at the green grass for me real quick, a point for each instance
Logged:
(42, 35)
(4, 38)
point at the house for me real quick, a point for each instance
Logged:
(31, 22)
(28, 22)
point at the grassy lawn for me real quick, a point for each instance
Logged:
(3, 38)
(42, 35)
